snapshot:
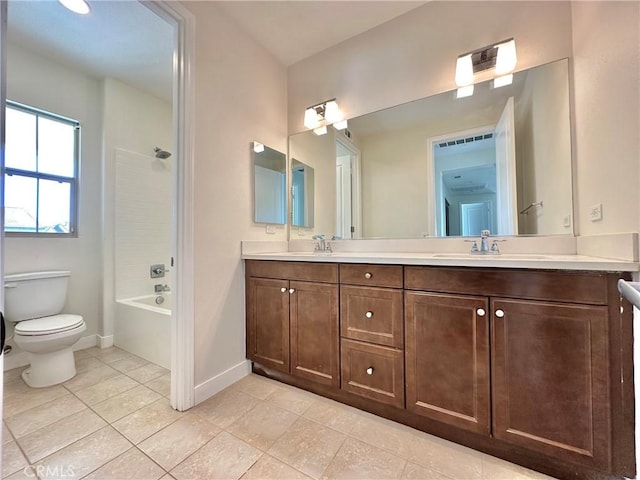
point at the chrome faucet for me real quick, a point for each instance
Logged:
(322, 245)
(159, 288)
(484, 245)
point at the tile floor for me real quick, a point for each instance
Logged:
(113, 421)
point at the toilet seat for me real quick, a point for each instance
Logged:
(49, 325)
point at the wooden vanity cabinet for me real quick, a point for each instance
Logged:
(292, 319)
(447, 359)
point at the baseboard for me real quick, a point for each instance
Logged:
(104, 342)
(221, 381)
(21, 359)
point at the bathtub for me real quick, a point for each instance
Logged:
(142, 327)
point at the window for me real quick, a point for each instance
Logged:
(41, 167)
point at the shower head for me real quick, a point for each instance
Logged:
(162, 154)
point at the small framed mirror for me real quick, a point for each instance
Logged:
(302, 193)
(270, 185)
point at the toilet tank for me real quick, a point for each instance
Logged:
(34, 294)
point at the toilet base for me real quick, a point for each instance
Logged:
(49, 369)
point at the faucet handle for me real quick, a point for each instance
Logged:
(318, 236)
(494, 246)
(474, 245)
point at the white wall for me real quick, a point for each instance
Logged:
(240, 96)
(137, 122)
(38, 82)
(607, 119)
(414, 55)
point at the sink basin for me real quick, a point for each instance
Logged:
(465, 256)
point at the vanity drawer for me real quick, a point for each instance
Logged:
(372, 314)
(374, 372)
(304, 271)
(371, 275)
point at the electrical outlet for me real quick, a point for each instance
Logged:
(595, 213)
(271, 229)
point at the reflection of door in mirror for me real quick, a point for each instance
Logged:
(270, 199)
(464, 172)
(347, 182)
(506, 172)
(302, 193)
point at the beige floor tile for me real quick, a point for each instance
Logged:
(147, 421)
(448, 458)
(162, 385)
(256, 386)
(173, 444)
(497, 469)
(168, 477)
(308, 446)
(12, 459)
(223, 457)
(125, 403)
(80, 354)
(147, 372)
(269, 468)
(18, 397)
(128, 363)
(13, 374)
(6, 434)
(332, 414)
(88, 363)
(85, 456)
(357, 460)
(226, 407)
(51, 438)
(385, 434)
(90, 377)
(38, 417)
(131, 465)
(26, 472)
(416, 472)
(293, 399)
(263, 425)
(104, 390)
(108, 355)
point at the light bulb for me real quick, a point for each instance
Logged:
(464, 71)
(341, 125)
(332, 113)
(311, 118)
(320, 130)
(503, 81)
(507, 58)
(464, 91)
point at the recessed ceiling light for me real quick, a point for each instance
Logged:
(76, 6)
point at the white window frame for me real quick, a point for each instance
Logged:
(72, 181)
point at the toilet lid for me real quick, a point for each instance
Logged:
(47, 325)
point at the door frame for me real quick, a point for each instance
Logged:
(182, 317)
(356, 183)
(433, 226)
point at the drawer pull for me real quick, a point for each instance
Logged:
(370, 371)
(291, 290)
(499, 313)
(283, 289)
(367, 275)
(480, 312)
(368, 314)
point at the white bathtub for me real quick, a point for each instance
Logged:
(143, 327)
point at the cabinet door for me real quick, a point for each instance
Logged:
(550, 379)
(314, 332)
(447, 359)
(268, 322)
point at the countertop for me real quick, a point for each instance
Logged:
(537, 261)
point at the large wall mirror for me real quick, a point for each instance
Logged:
(270, 184)
(440, 166)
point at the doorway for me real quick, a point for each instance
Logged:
(348, 204)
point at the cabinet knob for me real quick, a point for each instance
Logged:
(291, 290)
(283, 289)
(480, 312)
(499, 313)
(370, 371)
(367, 275)
(368, 314)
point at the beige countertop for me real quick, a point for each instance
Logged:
(538, 261)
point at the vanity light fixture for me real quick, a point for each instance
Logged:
(500, 57)
(320, 130)
(341, 125)
(80, 7)
(321, 115)
(464, 91)
(258, 147)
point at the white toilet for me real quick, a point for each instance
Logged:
(33, 301)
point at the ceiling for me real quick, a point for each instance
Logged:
(125, 40)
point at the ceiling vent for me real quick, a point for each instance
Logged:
(461, 141)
